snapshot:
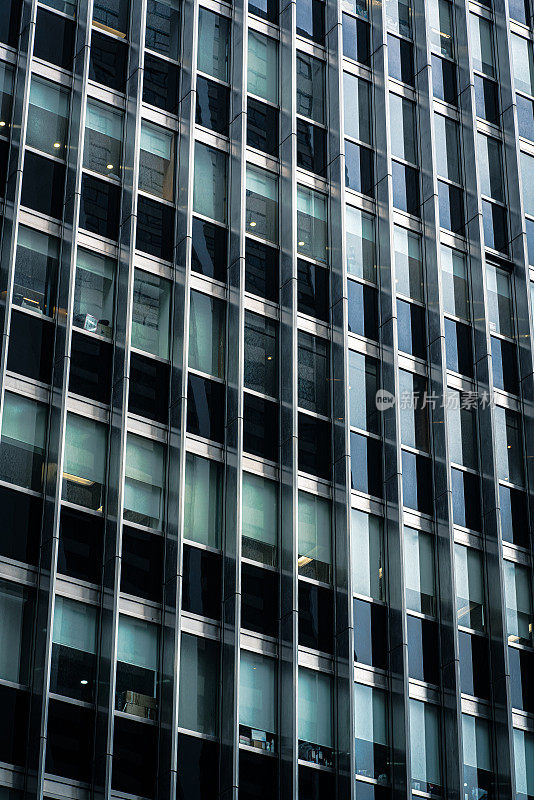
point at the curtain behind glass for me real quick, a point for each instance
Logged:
(74, 625)
(24, 421)
(138, 643)
(145, 477)
(85, 449)
(315, 707)
(257, 692)
(260, 509)
(199, 684)
(203, 500)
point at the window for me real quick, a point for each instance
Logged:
(408, 264)
(199, 684)
(137, 667)
(203, 500)
(399, 17)
(405, 182)
(400, 60)
(36, 267)
(209, 194)
(207, 334)
(524, 764)
(518, 600)
(462, 435)
(144, 483)
(356, 37)
(262, 203)
(84, 466)
(419, 574)
(402, 127)
(213, 44)
(261, 270)
(482, 45)
(262, 128)
(523, 64)
(448, 147)
(413, 411)
(310, 87)
(527, 178)
(357, 108)
(470, 606)
(163, 27)
(23, 441)
(315, 727)
(312, 230)
(454, 285)
(209, 250)
(257, 701)
(363, 386)
(103, 139)
(367, 538)
(212, 105)
(156, 161)
(259, 519)
(74, 638)
(313, 374)
(314, 537)
(478, 777)
(508, 446)
(311, 20)
(112, 15)
(360, 244)
(93, 292)
(425, 747)
(6, 95)
(16, 623)
(262, 67)
(441, 27)
(155, 228)
(161, 81)
(47, 117)
(371, 731)
(261, 354)
(151, 314)
(489, 161)
(499, 301)
(359, 168)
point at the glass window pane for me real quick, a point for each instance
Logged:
(259, 525)
(156, 161)
(312, 230)
(15, 632)
(213, 44)
(499, 298)
(447, 148)
(23, 441)
(209, 194)
(47, 117)
(310, 87)
(508, 446)
(402, 127)
(257, 699)
(314, 537)
(524, 764)
(523, 64)
(489, 162)
(361, 250)
(94, 292)
(413, 410)
(207, 326)
(199, 684)
(363, 386)
(408, 264)
(527, 182)
(419, 577)
(313, 374)
(84, 466)
(482, 45)
(399, 16)
(137, 666)
(261, 355)
(425, 747)
(103, 139)
(518, 599)
(262, 203)
(469, 587)
(203, 500)
(371, 733)
(151, 314)
(477, 755)
(111, 15)
(315, 707)
(75, 625)
(163, 27)
(357, 107)
(441, 29)
(367, 538)
(144, 482)
(454, 286)
(262, 66)
(461, 426)
(36, 268)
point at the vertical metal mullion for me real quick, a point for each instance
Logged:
(288, 663)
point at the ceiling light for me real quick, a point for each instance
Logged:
(84, 682)
(2, 123)
(301, 244)
(252, 224)
(57, 145)
(109, 166)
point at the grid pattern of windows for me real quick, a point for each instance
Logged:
(267, 369)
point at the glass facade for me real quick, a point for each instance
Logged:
(267, 369)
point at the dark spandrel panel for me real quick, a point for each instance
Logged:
(311, 20)
(261, 270)
(400, 60)
(458, 347)
(112, 14)
(72, 673)
(266, 9)
(260, 427)
(366, 464)
(514, 516)
(505, 367)
(417, 482)
(362, 310)
(315, 784)
(201, 591)
(155, 229)
(54, 39)
(21, 465)
(10, 11)
(316, 617)
(451, 208)
(4, 157)
(43, 184)
(90, 367)
(525, 117)
(423, 650)
(197, 777)
(521, 671)
(100, 207)
(370, 634)
(21, 526)
(209, 250)
(473, 652)
(315, 454)
(149, 388)
(142, 564)
(69, 750)
(134, 757)
(81, 538)
(259, 600)
(370, 791)
(444, 85)
(31, 347)
(311, 147)
(213, 105)
(495, 226)
(359, 172)
(262, 127)
(487, 100)
(258, 776)
(313, 296)
(109, 61)
(161, 81)
(205, 408)
(466, 499)
(405, 182)
(14, 728)
(411, 329)
(356, 39)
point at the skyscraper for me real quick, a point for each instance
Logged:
(267, 408)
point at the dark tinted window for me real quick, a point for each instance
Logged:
(201, 591)
(370, 634)
(262, 127)
(81, 538)
(525, 116)
(54, 39)
(259, 600)
(312, 288)
(100, 207)
(451, 207)
(411, 329)
(314, 455)
(213, 105)
(161, 81)
(10, 11)
(21, 526)
(504, 363)
(209, 250)
(473, 651)
(149, 388)
(155, 229)
(487, 100)
(258, 777)
(521, 670)
(362, 310)
(359, 172)
(260, 427)
(205, 408)
(316, 617)
(366, 464)
(356, 39)
(423, 650)
(495, 226)
(109, 60)
(405, 182)
(417, 482)
(14, 728)
(458, 347)
(42, 185)
(311, 147)
(400, 60)
(444, 80)
(142, 564)
(69, 750)
(134, 757)
(310, 19)
(197, 776)
(261, 270)
(31, 347)
(90, 367)
(514, 516)
(465, 499)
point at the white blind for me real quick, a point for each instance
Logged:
(476, 743)
(103, 120)
(203, 500)
(138, 643)
(315, 707)
(85, 449)
(38, 242)
(311, 203)
(24, 421)
(75, 625)
(257, 692)
(262, 183)
(370, 714)
(260, 509)
(154, 140)
(92, 262)
(49, 97)
(424, 741)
